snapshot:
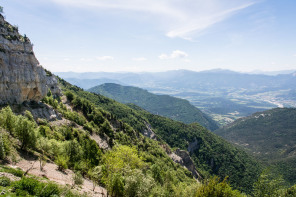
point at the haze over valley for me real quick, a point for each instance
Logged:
(224, 95)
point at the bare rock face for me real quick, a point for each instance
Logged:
(183, 158)
(21, 76)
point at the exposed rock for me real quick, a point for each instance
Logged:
(148, 132)
(21, 76)
(101, 141)
(183, 158)
(38, 110)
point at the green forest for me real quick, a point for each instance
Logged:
(107, 148)
(135, 165)
(163, 105)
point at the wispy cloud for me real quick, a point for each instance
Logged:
(104, 58)
(83, 59)
(140, 59)
(179, 18)
(175, 54)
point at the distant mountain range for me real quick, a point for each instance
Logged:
(223, 94)
(270, 136)
(164, 105)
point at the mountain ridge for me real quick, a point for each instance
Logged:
(269, 136)
(164, 105)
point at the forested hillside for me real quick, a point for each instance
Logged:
(163, 105)
(204, 147)
(58, 140)
(270, 136)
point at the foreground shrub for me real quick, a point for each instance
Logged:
(62, 161)
(34, 187)
(214, 188)
(4, 181)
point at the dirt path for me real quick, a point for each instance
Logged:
(64, 178)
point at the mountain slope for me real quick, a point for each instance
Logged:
(164, 105)
(269, 136)
(211, 154)
(211, 91)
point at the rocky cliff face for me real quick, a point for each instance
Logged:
(21, 76)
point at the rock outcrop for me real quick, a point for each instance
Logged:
(183, 158)
(21, 76)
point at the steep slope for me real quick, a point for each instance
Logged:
(99, 140)
(42, 127)
(211, 154)
(21, 77)
(270, 136)
(163, 105)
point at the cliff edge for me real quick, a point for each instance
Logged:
(22, 78)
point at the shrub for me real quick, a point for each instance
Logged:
(268, 185)
(116, 185)
(27, 184)
(34, 187)
(70, 96)
(49, 190)
(25, 132)
(214, 188)
(291, 192)
(62, 161)
(77, 178)
(5, 145)
(137, 184)
(4, 181)
(16, 172)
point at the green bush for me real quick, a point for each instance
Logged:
(77, 179)
(214, 188)
(69, 95)
(16, 172)
(291, 192)
(25, 132)
(27, 184)
(5, 145)
(34, 187)
(49, 190)
(4, 181)
(62, 161)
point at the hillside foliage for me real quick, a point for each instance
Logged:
(270, 136)
(163, 105)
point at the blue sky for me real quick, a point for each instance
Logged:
(158, 35)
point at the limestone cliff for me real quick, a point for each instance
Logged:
(21, 76)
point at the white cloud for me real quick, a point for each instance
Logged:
(179, 18)
(104, 58)
(139, 59)
(175, 54)
(294, 55)
(85, 59)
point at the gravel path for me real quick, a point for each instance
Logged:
(50, 171)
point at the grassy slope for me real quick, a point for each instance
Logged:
(164, 105)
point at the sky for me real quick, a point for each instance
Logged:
(158, 35)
